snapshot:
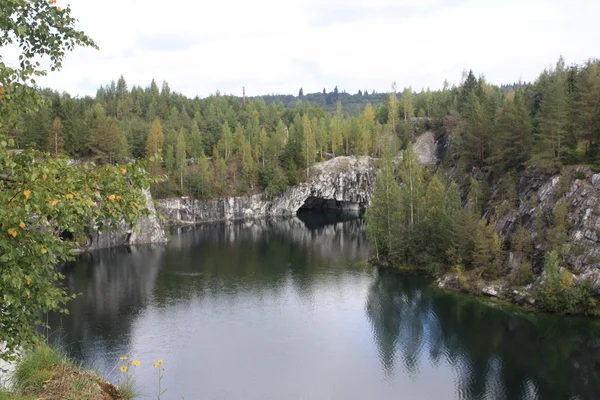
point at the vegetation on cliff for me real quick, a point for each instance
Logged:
(446, 219)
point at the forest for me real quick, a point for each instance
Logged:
(221, 146)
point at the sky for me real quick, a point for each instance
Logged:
(275, 46)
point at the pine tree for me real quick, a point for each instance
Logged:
(55, 138)
(107, 143)
(180, 157)
(367, 124)
(249, 169)
(196, 145)
(337, 131)
(154, 146)
(226, 142)
(309, 145)
(589, 107)
(407, 105)
(513, 131)
(433, 232)
(412, 192)
(392, 108)
(384, 214)
(552, 118)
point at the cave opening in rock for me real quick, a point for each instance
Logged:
(317, 203)
(317, 211)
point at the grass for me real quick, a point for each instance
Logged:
(45, 373)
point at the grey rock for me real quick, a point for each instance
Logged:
(148, 230)
(492, 291)
(343, 183)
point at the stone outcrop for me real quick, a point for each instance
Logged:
(148, 230)
(538, 196)
(426, 148)
(342, 183)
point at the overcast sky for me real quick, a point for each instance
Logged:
(278, 46)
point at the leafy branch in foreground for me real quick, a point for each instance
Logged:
(43, 199)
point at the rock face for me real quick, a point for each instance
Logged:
(539, 194)
(148, 230)
(342, 183)
(426, 148)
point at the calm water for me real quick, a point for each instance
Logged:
(288, 309)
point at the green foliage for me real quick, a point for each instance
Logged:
(523, 275)
(385, 211)
(44, 197)
(557, 293)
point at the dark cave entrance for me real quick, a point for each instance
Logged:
(317, 203)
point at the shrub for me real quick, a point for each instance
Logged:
(580, 175)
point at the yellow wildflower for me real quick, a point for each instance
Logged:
(26, 193)
(160, 362)
(59, 8)
(156, 365)
(136, 363)
(52, 1)
(22, 225)
(44, 176)
(123, 171)
(44, 250)
(12, 232)
(111, 197)
(53, 202)
(123, 369)
(123, 358)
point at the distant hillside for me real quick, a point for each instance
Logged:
(327, 101)
(350, 102)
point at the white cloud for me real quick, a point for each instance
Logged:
(275, 46)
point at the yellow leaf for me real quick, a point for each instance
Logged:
(27, 193)
(123, 171)
(69, 196)
(44, 250)
(118, 197)
(22, 225)
(53, 202)
(44, 176)
(13, 232)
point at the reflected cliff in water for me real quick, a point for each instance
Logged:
(497, 353)
(288, 308)
(113, 286)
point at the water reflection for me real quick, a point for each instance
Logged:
(497, 353)
(287, 308)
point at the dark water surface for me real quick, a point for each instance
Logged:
(288, 309)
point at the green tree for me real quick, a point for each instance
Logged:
(44, 197)
(55, 138)
(513, 133)
(309, 144)
(107, 143)
(249, 169)
(384, 213)
(154, 146)
(180, 157)
(407, 104)
(552, 118)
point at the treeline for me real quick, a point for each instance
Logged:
(328, 100)
(219, 146)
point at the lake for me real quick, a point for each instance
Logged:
(289, 309)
